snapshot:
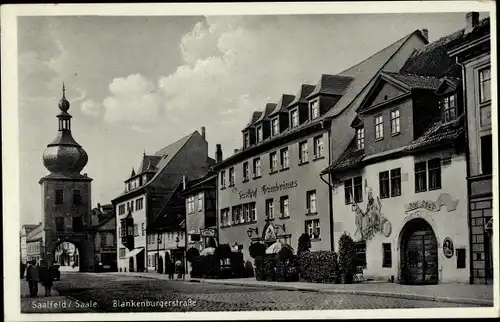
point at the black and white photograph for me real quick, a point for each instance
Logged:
(244, 161)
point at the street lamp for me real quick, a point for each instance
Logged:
(250, 231)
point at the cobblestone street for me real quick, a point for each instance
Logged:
(115, 293)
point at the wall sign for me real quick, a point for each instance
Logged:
(448, 247)
(386, 228)
(252, 193)
(444, 199)
(208, 233)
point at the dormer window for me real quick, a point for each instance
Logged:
(275, 126)
(360, 138)
(246, 138)
(294, 116)
(259, 134)
(449, 108)
(315, 109)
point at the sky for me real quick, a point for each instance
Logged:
(137, 84)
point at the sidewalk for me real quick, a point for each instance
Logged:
(48, 304)
(446, 292)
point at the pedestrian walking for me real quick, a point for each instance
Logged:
(171, 270)
(33, 277)
(46, 278)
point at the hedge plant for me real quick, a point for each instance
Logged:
(257, 249)
(319, 267)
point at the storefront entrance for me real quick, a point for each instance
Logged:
(419, 254)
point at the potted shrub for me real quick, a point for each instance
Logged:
(282, 265)
(270, 267)
(347, 258)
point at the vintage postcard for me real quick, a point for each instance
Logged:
(250, 161)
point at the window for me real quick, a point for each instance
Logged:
(246, 213)
(379, 127)
(284, 202)
(231, 177)
(294, 115)
(284, 158)
(434, 174)
(121, 209)
(387, 255)
(190, 202)
(420, 176)
(318, 147)
(138, 204)
(461, 254)
(275, 126)
(269, 209)
(77, 197)
(353, 190)
(131, 206)
(256, 168)
(246, 171)
(315, 109)
(200, 202)
(224, 217)
(273, 161)
(122, 252)
(77, 224)
(136, 230)
(253, 212)
(383, 178)
(396, 182)
(259, 134)
(123, 229)
(303, 152)
(484, 85)
(395, 127)
(149, 261)
(223, 179)
(486, 155)
(247, 139)
(160, 238)
(60, 223)
(241, 214)
(104, 240)
(313, 228)
(311, 202)
(59, 196)
(360, 138)
(361, 253)
(235, 215)
(143, 229)
(449, 105)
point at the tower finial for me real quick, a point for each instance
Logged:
(64, 90)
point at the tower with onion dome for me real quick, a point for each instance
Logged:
(66, 194)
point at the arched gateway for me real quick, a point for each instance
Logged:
(418, 253)
(66, 195)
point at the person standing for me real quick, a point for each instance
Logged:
(33, 277)
(46, 278)
(171, 270)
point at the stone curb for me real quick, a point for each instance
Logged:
(357, 292)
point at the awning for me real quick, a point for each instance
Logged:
(134, 252)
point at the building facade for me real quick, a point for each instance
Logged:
(25, 231)
(66, 254)
(105, 241)
(272, 189)
(34, 243)
(473, 55)
(151, 205)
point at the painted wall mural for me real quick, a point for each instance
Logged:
(444, 199)
(371, 222)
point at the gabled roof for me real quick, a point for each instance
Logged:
(149, 163)
(268, 110)
(433, 59)
(364, 72)
(284, 101)
(350, 158)
(168, 217)
(331, 85)
(304, 91)
(255, 116)
(415, 81)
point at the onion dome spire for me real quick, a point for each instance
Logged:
(64, 155)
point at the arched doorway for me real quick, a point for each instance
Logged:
(418, 253)
(131, 264)
(66, 255)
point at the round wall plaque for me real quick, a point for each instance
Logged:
(448, 247)
(386, 227)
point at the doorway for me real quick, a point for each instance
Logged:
(131, 264)
(419, 253)
(141, 261)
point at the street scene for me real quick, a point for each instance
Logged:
(229, 163)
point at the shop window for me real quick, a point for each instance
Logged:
(434, 174)
(461, 254)
(486, 154)
(420, 176)
(361, 253)
(395, 125)
(387, 255)
(59, 196)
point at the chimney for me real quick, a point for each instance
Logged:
(425, 33)
(471, 21)
(218, 153)
(203, 132)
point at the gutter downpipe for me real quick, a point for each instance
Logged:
(328, 183)
(467, 158)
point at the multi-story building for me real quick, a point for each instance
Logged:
(473, 55)
(34, 244)
(25, 230)
(104, 231)
(271, 189)
(151, 207)
(400, 187)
